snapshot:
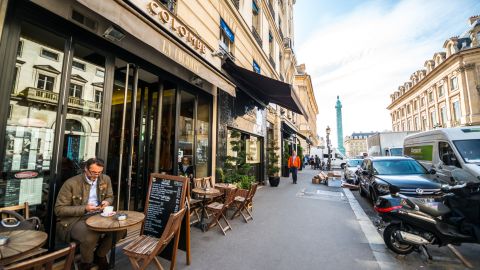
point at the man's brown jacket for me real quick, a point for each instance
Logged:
(73, 198)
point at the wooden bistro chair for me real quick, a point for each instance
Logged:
(23, 207)
(219, 210)
(47, 261)
(194, 206)
(243, 204)
(144, 248)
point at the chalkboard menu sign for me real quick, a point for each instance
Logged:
(166, 195)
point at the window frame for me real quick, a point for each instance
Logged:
(44, 84)
(43, 50)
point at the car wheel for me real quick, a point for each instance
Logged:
(362, 191)
(373, 196)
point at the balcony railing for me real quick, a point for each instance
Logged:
(270, 7)
(270, 58)
(256, 36)
(49, 97)
(236, 3)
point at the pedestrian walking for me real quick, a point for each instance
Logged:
(293, 164)
(317, 162)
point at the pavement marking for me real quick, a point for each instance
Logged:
(380, 251)
(322, 195)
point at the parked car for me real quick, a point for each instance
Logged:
(378, 173)
(350, 170)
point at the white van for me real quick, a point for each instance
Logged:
(446, 149)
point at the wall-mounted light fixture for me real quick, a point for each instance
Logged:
(114, 33)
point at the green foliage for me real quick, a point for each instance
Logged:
(235, 169)
(272, 149)
(286, 154)
(220, 176)
(300, 154)
(246, 181)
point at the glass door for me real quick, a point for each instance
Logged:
(131, 142)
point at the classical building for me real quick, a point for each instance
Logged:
(447, 92)
(306, 124)
(164, 81)
(356, 144)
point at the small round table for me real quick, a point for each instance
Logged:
(204, 192)
(20, 243)
(99, 223)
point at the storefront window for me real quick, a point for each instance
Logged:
(203, 137)
(80, 140)
(186, 127)
(30, 130)
(167, 130)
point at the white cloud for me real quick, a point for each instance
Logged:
(366, 54)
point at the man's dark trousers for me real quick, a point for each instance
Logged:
(294, 174)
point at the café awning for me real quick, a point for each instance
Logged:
(266, 89)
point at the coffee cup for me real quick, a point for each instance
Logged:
(107, 210)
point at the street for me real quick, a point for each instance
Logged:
(305, 226)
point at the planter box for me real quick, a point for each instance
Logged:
(334, 182)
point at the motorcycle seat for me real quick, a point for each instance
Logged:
(435, 209)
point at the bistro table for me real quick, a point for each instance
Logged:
(205, 192)
(20, 243)
(99, 223)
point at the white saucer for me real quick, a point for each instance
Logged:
(107, 215)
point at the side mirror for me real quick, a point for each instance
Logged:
(432, 171)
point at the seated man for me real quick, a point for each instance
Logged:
(184, 168)
(79, 198)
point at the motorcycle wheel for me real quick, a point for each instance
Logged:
(391, 240)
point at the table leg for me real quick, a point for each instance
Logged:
(111, 263)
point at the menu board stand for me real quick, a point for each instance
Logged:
(167, 195)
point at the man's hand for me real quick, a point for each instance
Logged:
(91, 208)
(104, 204)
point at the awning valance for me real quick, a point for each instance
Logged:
(266, 89)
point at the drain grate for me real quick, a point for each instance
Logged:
(319, 194)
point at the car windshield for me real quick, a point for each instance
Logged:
(469, 150)
(354, 162)
(397, 167)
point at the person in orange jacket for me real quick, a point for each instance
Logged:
(293, 164)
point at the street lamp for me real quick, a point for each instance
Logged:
(329, 161)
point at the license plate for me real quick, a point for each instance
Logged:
(427, 200)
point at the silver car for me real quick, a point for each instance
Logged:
(350, 169)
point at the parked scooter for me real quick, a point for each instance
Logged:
(414, 223)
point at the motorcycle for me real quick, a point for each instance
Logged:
(414, 223)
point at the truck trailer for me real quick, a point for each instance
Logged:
(386, 143)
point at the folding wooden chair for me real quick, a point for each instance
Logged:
(194, 205)
(47, 261)
(144, 248)
(219, 210)
(244, 204)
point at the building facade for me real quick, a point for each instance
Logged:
(356, 144)
(163, 81)
(306, 124)
(447, 92)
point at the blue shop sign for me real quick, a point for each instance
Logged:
(227, 30)
(256, 67)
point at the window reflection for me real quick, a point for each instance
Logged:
(30, 127)
(186, 126)
(203, 136)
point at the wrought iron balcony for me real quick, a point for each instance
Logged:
(48, 97)
(236, 3)
(270, 7)
(270, 58)
(256, 36)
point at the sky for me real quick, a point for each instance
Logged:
(362, 50)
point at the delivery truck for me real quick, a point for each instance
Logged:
(386, 143)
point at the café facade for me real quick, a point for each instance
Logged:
(127, 81)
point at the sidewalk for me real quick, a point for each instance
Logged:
(301, 226)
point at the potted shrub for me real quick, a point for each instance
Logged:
(273, 168)
(300, 155)
(285, 156)
(236, 169)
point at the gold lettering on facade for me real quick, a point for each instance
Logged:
(164, 16)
